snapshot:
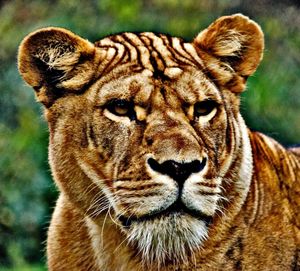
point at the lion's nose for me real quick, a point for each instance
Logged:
(176, 170)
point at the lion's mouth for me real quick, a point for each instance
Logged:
(177, 208)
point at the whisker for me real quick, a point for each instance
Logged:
(102, 228)
(125, 240)
(112, 219)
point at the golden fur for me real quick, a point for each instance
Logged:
(154, 163)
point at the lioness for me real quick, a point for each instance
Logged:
(155, 165)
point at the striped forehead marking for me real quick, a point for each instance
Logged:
(154, 52)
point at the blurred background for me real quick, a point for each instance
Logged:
(27, 195)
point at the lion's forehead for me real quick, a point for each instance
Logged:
(146, 62)
(153, 52)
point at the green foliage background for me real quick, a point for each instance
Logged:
(27, 195)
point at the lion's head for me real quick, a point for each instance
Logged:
(147, 127)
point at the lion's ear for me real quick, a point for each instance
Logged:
(233, 43)
(55, 62)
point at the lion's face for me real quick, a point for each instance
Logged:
(160, 145)
(158, 152)
(153, 136)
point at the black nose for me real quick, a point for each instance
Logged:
(177, 171)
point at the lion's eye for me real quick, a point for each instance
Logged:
(121, 108)
(204, 108)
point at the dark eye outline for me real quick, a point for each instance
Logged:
(204, 108)
(128, 106)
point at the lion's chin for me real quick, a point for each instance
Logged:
(171, 238)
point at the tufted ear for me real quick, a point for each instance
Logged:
(55, 62)
(232, 48)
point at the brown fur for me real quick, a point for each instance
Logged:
(155, 166)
